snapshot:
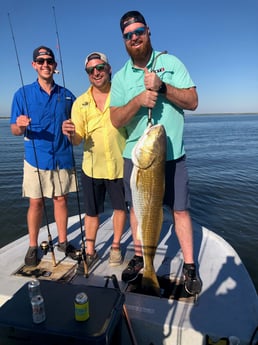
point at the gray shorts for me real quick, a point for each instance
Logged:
(176, 196)
(54, 183)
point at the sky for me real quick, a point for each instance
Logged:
(216, 40)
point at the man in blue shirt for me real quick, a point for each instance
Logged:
(160, 82)
(38, 111)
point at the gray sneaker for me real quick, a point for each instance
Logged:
(31, 257)
(68, 249)
(115, 257)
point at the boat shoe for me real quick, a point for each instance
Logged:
(115, 257)
(68, 249)
(133, 268)
(192, 282)
(31, 257)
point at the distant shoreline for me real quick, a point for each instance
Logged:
(191, 114)
(200, 114)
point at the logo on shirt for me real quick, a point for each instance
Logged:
(162, 69)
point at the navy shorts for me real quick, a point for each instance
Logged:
(94, 193)
(176, 195)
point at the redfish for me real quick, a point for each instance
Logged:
(148, 186)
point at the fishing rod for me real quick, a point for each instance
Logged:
(83, 251)
(50, 242)
(59, 47)
(149, 122)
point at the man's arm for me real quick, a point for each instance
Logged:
(185, 98)
(182, 98)
(120, 116)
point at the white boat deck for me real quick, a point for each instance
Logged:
(227, 305)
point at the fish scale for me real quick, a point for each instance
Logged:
(148, 186)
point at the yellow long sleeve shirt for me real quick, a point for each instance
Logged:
(103, 143)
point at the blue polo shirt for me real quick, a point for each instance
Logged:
(129, 82)
(45, 145)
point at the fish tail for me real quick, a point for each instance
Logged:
(150, 284)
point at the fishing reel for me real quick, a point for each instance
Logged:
(78, 256)
(44, 246)
(47, 246)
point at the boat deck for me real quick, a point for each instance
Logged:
(227, 305)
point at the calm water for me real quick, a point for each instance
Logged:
(223, 168)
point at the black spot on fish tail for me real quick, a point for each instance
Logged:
(150, 287)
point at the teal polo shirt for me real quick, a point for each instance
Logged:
(129, 82)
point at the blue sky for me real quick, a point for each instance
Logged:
(216, 40)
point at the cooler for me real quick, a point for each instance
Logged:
(60, 326)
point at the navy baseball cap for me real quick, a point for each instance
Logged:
(45, 51)
(130, 18)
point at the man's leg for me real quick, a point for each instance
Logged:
(34, 220)
(184, 232)
(61, 217)
(91, 225)
(119, 219)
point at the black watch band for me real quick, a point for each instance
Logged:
(163, 88)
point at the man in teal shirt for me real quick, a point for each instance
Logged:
(160, 82)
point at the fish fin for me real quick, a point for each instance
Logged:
(145, 163)
(150, 284)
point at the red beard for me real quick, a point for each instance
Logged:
(139, 53)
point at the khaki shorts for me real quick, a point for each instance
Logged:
(54, 182)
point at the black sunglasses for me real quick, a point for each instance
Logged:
(100, 67)
(138, 32)
(41, 61)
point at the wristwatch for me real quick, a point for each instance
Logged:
(163, 88)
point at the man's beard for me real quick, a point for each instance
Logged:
(139, 53)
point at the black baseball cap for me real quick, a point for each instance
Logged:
(45, 51)
(130, 18)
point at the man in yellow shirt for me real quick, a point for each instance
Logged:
(102, 166)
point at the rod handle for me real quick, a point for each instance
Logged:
(52, 250)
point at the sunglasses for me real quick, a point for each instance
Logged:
(100, 67)
(41, 61)
(138, 32)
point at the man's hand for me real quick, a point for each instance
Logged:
(151, 81)
(23, 121)
(68, 128)
(148, 98)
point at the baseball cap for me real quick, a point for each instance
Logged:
(130, 18)
(45, 51)
(96, 55)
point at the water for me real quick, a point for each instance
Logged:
(223, 168)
